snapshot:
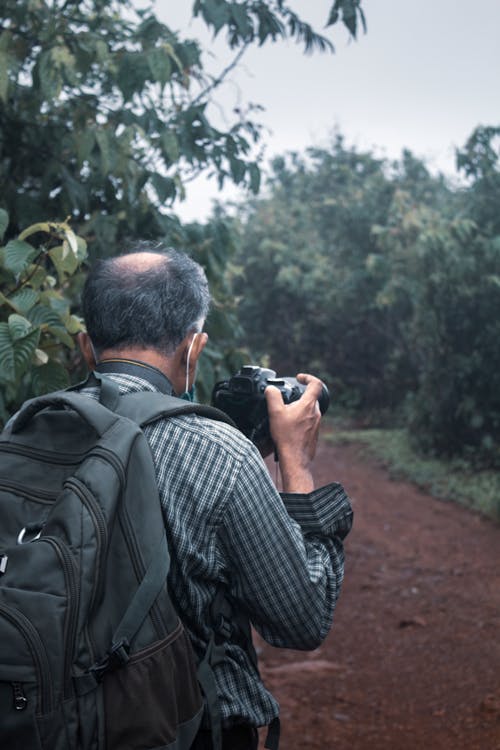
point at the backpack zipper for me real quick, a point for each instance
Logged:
(39, 495)
(38, 654)
(20, 700)
(111, 458)
(68, 566)
(99, 521)
(62, 459)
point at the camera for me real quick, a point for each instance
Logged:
(242, 398)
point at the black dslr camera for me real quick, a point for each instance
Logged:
(242, 398)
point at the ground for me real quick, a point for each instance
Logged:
(413, 659)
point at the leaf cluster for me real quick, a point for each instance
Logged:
(257, 20)
(36, 323)
(103, 117)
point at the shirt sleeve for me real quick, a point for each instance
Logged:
(285, 555)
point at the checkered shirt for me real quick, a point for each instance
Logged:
(280, 556)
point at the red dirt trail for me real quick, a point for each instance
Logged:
(413, 658)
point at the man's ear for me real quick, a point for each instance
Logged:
(87, 349)
(199, 343)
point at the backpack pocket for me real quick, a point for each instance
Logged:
(38, 608)
(25, 685)
(145, 710)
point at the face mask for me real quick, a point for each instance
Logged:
(189, 393)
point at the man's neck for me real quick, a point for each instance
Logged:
(138, 369)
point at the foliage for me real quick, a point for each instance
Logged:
(104, 117)
(384, 281)
(103, 110)
(247, 22)
(449, 274)
(447, 479)
(36, 325)
(312, 274)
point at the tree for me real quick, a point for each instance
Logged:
(103, 118)
(311, 271)
(448, 273)
(386, 282)
(103, 110)
(36, 324)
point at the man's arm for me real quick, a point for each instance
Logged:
(284, 555)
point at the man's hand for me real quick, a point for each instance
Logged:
(294, 429)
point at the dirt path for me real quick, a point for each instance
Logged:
(413, 660)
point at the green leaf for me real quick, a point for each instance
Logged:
(254, 172)
(24, 300)
(242, 20)
(7, 369)
(164, 186)
(102, 138)
(4, 222)
(43, 315)
(18, 256)
(4, 75)
(19, 326)
(4, 414)
(74, 324)
(24, 350)
(81, 249)
(50, 377)
(40, 357)
(41, 226)
(333, 17)
(65, 262)
(84, 143)
(215, 13)
(133, 74)
(60, 333)
(159, 65)
(170, 145)
(18, 342)
(238, 169)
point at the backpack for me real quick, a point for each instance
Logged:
(93, 655)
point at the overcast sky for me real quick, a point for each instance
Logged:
(424, 75)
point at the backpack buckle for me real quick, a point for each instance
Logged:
(117, 656)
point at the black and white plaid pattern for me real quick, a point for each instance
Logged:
(280, 556)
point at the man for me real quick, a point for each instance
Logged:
(279, 558)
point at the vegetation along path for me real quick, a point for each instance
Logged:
(413, 659)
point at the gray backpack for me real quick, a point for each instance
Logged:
(93, 655)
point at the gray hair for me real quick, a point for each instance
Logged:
(152, 305)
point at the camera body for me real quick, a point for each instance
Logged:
(242, 398)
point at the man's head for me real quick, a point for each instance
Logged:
(145, 305)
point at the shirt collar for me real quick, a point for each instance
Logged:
(139, 369)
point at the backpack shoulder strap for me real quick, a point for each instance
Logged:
(144, 407)
(98, 417)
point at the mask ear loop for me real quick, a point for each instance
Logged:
(187, 362)
(96, 358)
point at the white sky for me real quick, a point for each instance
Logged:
(423, 77)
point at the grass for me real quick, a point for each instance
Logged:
(447, 480)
